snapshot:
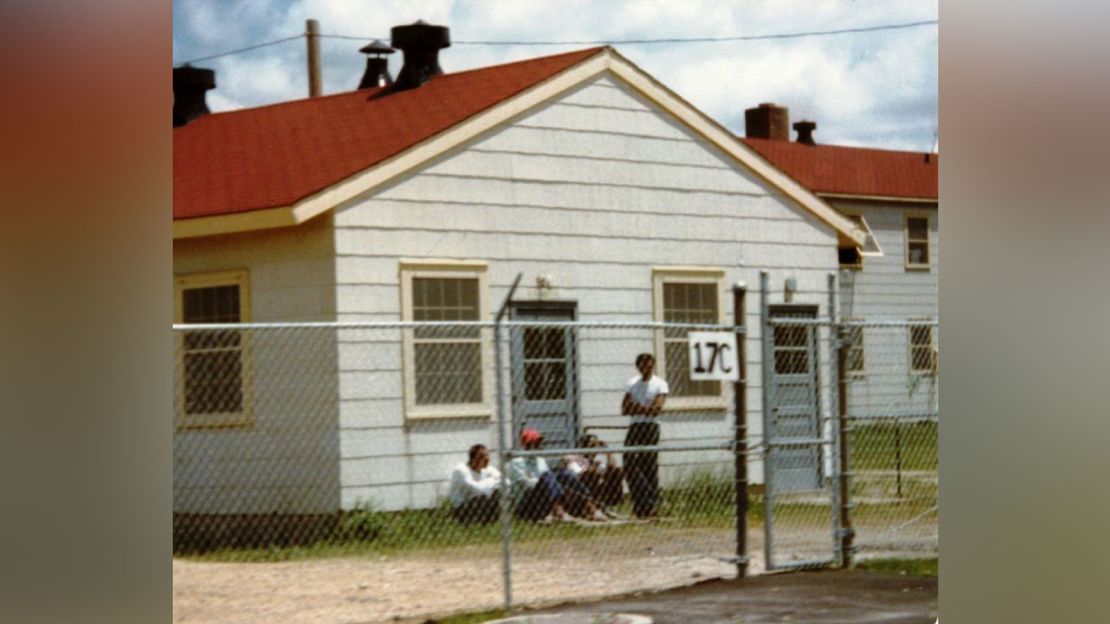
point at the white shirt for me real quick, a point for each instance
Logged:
(644, 392)
(466, 483)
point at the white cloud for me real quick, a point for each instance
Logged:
(860, 88)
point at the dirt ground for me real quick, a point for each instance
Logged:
(413, 587)
(818, 597)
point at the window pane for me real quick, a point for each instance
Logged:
(545, 381)
(546, 342)
(849, 256)
(791, 361)
(919, 253)
(791, 335)
(448, 373)
(215, 304)
(918, 228)
(213, 382)
(921, 335)
(687, 303)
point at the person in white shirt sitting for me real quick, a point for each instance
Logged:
(474, 491)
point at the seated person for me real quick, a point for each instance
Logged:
(601, 473)
(539, 494)
(474, 491)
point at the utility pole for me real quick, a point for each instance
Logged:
(312, 34)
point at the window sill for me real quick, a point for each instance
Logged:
(687, 404)
(918, 267)
(214, 421)
(442, 412)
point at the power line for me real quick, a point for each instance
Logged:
(795, 35)
(246, 49)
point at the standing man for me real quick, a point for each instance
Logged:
(643, 401)
(473, 491)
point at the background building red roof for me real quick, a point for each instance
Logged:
(276, 155)
(853, 170)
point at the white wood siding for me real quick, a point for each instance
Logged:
(594, 190)
(885, 290)
(287, 460)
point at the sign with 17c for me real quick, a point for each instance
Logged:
(713, 356)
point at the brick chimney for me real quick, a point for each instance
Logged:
(421, 43)
(805, 131)
(767, 121)
(189, 86)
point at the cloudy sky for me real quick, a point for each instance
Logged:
(876, 89)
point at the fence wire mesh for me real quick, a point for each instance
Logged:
(344, 442)
(892, 390)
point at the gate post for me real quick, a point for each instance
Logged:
(768, 365)
(740, 446)
(503, 451)
(842, 519)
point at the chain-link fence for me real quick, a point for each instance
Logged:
(367, 442)
(891, 402)
(372, 440)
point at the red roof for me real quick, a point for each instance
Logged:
(853, 170)
(276, 155)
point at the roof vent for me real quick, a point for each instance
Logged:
(189, 85)
(767, 121)
(377, 65)
(805, 131)
(421, 43)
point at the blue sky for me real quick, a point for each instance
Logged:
(871, 89)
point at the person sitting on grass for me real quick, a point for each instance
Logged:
(540, 494)
(601, 473)
(474, 492)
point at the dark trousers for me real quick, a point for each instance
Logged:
(575, 492)
(480, 509)
(608, 488)
(538, 501)
(642, 469)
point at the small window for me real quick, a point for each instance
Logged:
(850, 258)
(445, 365)
(853, 354)
(923, 353)
(213, 373)
(685, 296)
(917, 242)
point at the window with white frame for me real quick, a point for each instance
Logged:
(445, 365)
(923, 352)
(853, 354)
(213, 365)
(917, 242)
(685, 295)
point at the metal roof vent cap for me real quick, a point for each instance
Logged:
(421, 43)
(189, 86)
(805, 131)
(377, 66)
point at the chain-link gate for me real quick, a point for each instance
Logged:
(801, 472)
(850, 418)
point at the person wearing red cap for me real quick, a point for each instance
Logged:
(537, 494)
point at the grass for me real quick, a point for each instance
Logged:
(889, 446)
(906, 567)
(473, 618)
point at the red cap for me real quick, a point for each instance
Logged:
(530, 435)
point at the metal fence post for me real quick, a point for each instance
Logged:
(766, 338)
(740, 450)
(842, 521)
(503, 450)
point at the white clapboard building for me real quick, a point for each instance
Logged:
(580, 171)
